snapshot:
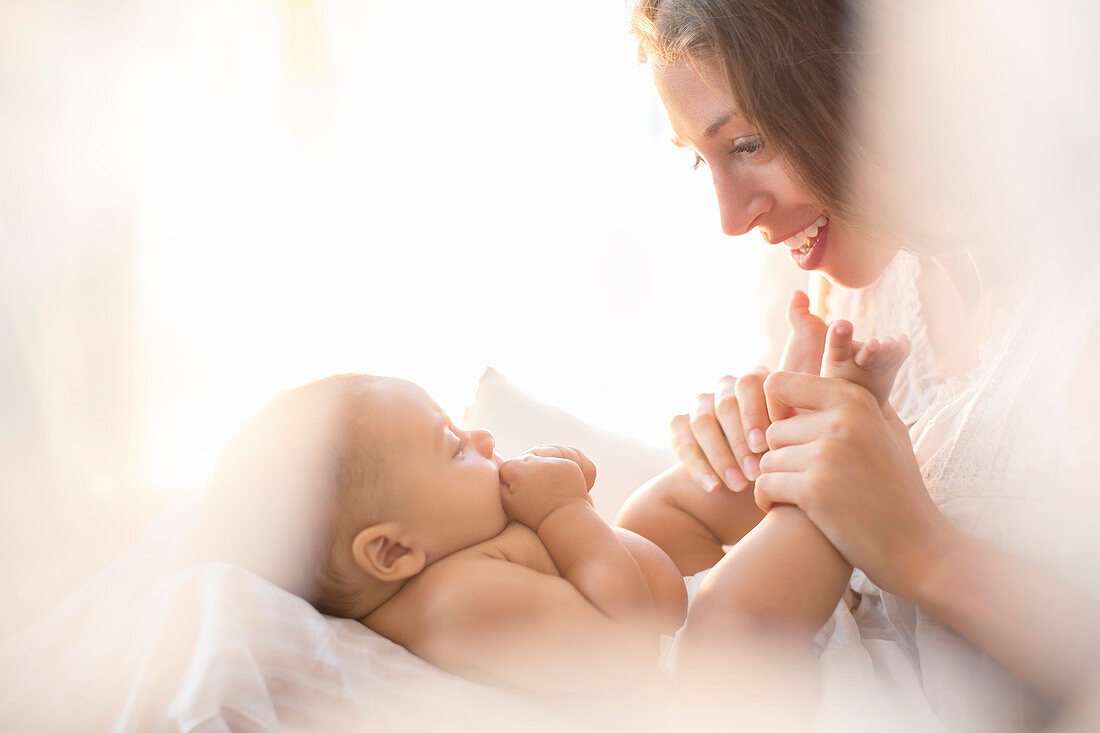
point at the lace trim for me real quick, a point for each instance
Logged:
(890, 307)
(1006, 320)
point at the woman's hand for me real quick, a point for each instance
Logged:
(720, 442)
(849, 465)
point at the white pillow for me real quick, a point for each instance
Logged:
(519, 421)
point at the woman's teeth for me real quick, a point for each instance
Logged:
(802, 240)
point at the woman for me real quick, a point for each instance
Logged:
(964, 549)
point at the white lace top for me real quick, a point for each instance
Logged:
(994, 449)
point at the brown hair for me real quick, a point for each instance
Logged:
(789, 66)
(291, 483)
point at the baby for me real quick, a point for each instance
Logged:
(498, 570)
(374, 506)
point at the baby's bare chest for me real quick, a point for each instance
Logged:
(519, 544)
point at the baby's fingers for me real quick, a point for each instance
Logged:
(555, 450)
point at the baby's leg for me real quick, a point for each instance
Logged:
(780, 583)
(689, 524)
(804, 348)
(872, 364)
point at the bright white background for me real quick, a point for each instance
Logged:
(205, 202)
(419, 189)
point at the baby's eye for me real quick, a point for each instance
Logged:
(461, 446)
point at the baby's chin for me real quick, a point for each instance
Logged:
(505, 520)
(502, 520)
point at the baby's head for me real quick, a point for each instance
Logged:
(413, 489)
(356, 483)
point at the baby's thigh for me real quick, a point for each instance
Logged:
(724, 515)
(727, 515)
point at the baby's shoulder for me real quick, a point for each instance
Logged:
(461, 585)
(516, 545)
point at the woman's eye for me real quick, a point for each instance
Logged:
(747, 146)
(698, 162)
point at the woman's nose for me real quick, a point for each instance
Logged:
(483, 441)
(740, 204)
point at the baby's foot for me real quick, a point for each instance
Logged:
(806, 341)
(872, 364)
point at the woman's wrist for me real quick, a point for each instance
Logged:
(934, 572)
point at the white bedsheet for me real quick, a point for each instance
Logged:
(215, 647)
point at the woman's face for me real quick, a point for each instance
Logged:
(754, 184)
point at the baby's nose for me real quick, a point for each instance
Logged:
(484, 442)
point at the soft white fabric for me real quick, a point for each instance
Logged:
(669, 644)
(992, 447)
(216, 648)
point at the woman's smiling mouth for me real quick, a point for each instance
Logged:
(807, 247)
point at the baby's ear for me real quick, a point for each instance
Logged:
(380, 551)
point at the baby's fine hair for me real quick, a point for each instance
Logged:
(291, 484)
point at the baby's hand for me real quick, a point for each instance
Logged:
(554, 450)
(543, 479)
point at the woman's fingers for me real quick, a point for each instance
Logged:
(801, 428)
(714, 443)
(691, 455)
(749, 390)
(791, 458)
(727, 408)
(778, 488)
(810, 392)
(722, 439)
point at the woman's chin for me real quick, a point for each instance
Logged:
(841, 268)
(850, 280)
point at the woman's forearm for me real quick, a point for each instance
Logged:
(1040, 627)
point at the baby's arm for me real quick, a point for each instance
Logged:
(506, 622)
(549, 494)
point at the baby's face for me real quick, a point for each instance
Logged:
(446, 481)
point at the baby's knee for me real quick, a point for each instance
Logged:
(736, 615)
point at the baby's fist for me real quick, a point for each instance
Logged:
(555, 450)
(534, 486)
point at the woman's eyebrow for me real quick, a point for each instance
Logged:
(717, 125)
(712, 129)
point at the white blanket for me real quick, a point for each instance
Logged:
(214, 648)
